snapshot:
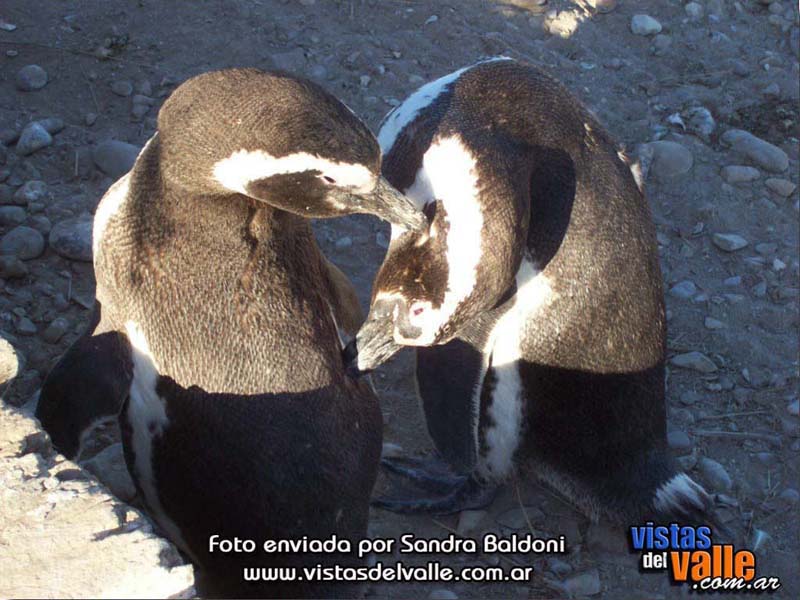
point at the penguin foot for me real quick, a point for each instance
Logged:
(451, 493)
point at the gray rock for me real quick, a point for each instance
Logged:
(25, 327)
(700, 121)
(23, 242)
(31, 78)
(52, 125)
(344, 242)
(30, 191)
(766, 248)
(661, 43)
(729, 242)
(790, 496)
(670, 159)
(679, 440)
(712, 323)
(442, 594)
(645, 25)
(11, 363)
(122, 88)
(734, 174)
(109, 467)
(33, 138)
(12, 268)
(293, 61)
(40, 223)
(90, 119)
(694, 11)
(762, 153)
(469, 521)
(773, 90)
(696, 361)
(793, 408)
(115, 158)
(583, 584)
(72, 239)
(782, 187)
(56, 330)
(690, 397)
(683, 290)
(715, 474)
(12, 215)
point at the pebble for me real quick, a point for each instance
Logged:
(109, 467)
(12, 268)
(344, 242)
(294, 60)
(25, 327)
(122, 88)
(766, 248)
(729, 242)
(115, 158)
(761, 152)
(31, 78)
(33, 138)
(683, 290)
(559, 567)
(694, 360)
(381, 239)
(793, 408)
(661, 43)
(72, 239)
(41, 223)
(583, 584)
(790, 496)
(442, 594)
(773, 90)
(669, 158)
(23, 242)
(679, 440)
(694, 10)
(700, 121)
(56, 330)
(712, 323)
(715, 474)
(469, 521)
(734, 174)
(690, 397)
(30, 191)
(12, 215)
(52, 124)
(782, 187)
(90, 119)
(645, 25)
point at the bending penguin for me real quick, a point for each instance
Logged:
(216, 330)
(534, 300)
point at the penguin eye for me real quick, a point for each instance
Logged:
(329, 180)
(418, 311)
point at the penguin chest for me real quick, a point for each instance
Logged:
(145, 421)
(505, 396)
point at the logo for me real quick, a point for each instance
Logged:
(690, 557)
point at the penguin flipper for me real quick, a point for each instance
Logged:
(88, 384)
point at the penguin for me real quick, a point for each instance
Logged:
(534, 301)
(218, 328)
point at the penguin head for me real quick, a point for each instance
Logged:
(278, 139)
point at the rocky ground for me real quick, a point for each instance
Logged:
(705, 93)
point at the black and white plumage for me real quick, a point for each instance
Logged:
(534, 300)
(216, 325)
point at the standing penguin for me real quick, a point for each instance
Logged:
(534, 299)
(217, 326)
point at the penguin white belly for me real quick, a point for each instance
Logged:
(147, 417)
(503, 430)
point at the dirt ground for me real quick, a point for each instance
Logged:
(739, 60)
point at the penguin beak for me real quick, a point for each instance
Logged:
(373, 345)
(390, 205)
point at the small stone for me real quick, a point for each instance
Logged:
(25, 327)
(90, 119)
(52, 125)
(442, 594)
(696, 361)
(661, 43)
(469, 521)
(683, 290)
(41, 223)
(712, 323)
(715, 474)
(381, 240)
(790, 496)
(23, 242)
(391, 450)
(138, 111)
(583, 584)
(31, 78)
(679, 440)
(729, 242)
(72, 239)
(559, 567)
(33, 138)
(294, 60)
(56, 330)
(364, 80)
(11, 362)
(766, 248)
(793, 408)
(782, 187)
(109, 467)
(700, 121)
(773, 90)
(30, 191)
(762, 153)
(115, 158)
(645, 25)
(12, 215)
(739, 174)
(690, 397)
(122, 88)
(344, 242)
(432, 19)
(669, 159)
(694, 11)
(778, 265)
(12, 268)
